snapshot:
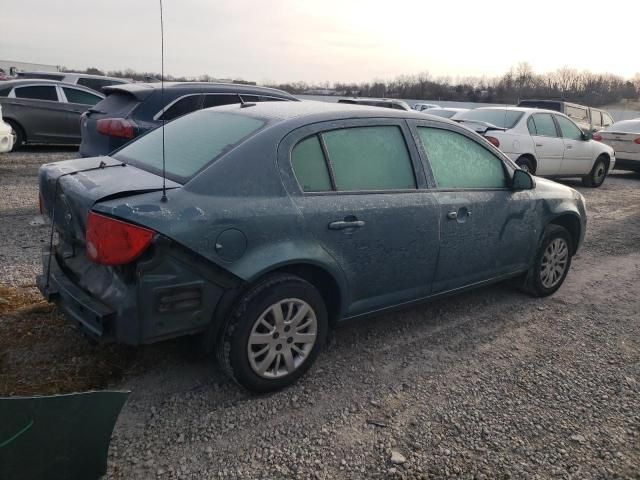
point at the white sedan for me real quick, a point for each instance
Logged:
(6, 135)
(543, 142)
(624, 137)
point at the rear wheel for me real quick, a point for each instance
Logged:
(552, 262)
(526, 164)
(18, 132)
(598, 173)
(274, 333)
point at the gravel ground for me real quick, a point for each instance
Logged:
(488, 384)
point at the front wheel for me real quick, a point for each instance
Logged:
(274, 333)
(597, 175)
(552, 262)
(18, 134)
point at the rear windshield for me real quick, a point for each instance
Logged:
(191, 143)
(498, 117)
(117, 103)
(626, 126)
(557, 106)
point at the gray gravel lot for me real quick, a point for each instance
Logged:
(488, 384)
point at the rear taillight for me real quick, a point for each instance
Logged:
(113, 242)
(115, 127)
(493, 141)
(597, 137)
(637, 140)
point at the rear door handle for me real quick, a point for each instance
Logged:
(343, 224)
(569, 147)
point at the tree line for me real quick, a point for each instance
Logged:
(594, 89)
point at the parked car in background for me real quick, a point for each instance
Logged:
(6, 135)
(377, 102)
(132, 110)
(624, 138)
(543, 142)
(446, 112)
(45, 111)
(587, 118)
(424, 106)
(284, 218)
(94, 82)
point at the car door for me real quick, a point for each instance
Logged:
(37, 109)
(75, 102)
(487, 229)
(358, 191)
(548, 145)
(578, 151)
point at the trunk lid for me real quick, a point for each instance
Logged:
(621, 141)
(69, 189)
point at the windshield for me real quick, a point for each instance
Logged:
(627, 126)
(502, 118)
(191, 143)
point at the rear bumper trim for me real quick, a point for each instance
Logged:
(90, 314)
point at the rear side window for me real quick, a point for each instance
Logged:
(578, 114)
(39, 92)
(214, 100)
(544, 125)
(369, 158)
(80, 96)
(569, 129)
(459, 162)
(310, 166)
(191, 143)
(5, 91)
(183, 106)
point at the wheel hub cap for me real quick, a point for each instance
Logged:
(554, 263)
(282, 338)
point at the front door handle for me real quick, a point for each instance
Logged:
(452, 215)
(460, 215)
(569, 147)
(344, 224)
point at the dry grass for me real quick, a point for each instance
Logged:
(41, 354)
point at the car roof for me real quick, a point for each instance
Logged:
(28, 81)
(518, 109)
(311, 111)
(146, 88)
(367, 99)
(71, 74)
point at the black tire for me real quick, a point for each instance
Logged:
(598, 173)
(233, 345)
(533, 282)
(19, 135)
(526, 164)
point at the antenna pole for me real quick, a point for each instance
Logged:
(164, 176)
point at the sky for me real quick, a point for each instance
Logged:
(328, 40)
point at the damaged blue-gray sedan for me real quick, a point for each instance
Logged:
(281, 219)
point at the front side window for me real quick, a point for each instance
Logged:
(369, 158)
(37, 92)
(606, 119)
(459, 162)
(80, 96)
(544, 125)
(183, 106)
(569, 129)
(310, 166)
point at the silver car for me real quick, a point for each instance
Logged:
(624, 138)
(45, 111)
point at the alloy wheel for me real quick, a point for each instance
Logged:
(554, 263)
(282, 338)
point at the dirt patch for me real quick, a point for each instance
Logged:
(41, 354)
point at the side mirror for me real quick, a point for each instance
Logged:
(587, 135)
(522, 180)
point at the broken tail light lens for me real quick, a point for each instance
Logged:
(114, 242)
(115, 127)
